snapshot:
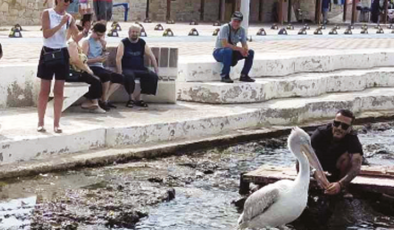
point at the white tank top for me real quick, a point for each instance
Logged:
(59, 39)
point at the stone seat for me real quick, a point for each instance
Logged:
(167, 59)
(206, 69)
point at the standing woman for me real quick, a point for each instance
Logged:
(54, 60)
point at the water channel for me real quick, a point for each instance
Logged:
(193, 191)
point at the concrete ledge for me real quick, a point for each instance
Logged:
(301, 85)
(205, 68)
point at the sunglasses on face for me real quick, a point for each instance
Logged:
(344, 126)
(66, 1)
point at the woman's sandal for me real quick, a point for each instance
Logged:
(41, 129)
(57, 130)
(130, 104)
(141, 103)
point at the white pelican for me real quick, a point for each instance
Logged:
(282, 202)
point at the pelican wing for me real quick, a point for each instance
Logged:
(259, 202)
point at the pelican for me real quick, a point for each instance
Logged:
(282, 202)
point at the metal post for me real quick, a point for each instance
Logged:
(168, 9)
(202, 7)
(386, 6)
(261, 11)
(344, 11)
(319, 11)
(147, 9)
(353, 12)
(245, 8)
(280, 12)
(222, 10)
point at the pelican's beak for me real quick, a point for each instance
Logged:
(315, 163)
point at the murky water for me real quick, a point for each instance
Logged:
(206, 184)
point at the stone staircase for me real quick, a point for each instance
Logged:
(313, 85)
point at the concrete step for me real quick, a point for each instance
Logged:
(166, 123)
(206, 69)
(300, 85)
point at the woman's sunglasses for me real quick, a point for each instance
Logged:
(343, 125)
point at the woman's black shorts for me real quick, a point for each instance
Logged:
(60, 70)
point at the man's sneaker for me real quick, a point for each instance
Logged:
(104, 106)
(227, 79)
(246, 78)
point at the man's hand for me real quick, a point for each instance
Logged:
(245, 52)
(101, 59)
(333, 189)
(65, 19)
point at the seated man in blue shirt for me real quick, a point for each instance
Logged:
(227, 52)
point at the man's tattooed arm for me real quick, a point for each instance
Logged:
(357, 160)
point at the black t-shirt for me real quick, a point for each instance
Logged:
(329, 150)
(133, 57)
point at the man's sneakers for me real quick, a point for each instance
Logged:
(246, 78)
(227, 79)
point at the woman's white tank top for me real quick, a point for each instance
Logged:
(59, 39)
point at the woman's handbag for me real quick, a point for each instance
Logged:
(73, 76)
(53, 58)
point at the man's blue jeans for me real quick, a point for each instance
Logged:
(230, 57)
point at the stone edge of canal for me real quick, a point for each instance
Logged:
(102, 157)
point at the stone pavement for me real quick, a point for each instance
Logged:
(27, 49)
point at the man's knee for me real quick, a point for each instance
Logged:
(228, 51)
(344, 162)
(251, 53)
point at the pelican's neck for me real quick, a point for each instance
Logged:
(303, 177)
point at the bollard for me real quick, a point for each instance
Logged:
(168, 33)
(147, 20)
(318, 31)
(337, 27)
(333, 31)
(390, 26)
(261, 32)
(306, 26)
(15, 33)
(364, 26)
(274, 27)
(282, 31)
(322, 26)
(216, 32)
(380, 31)
(302, 31)
(113, 33)
(193, 32)
(364, 30)
(159, 27)
(115, 25)
(170, 22)
(143, 33)
(193, 23)
(19, 27)
(290, 27)
(348, 31)
(217, 23)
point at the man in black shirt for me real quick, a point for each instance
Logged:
(130, 62)
(339, 151)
